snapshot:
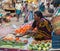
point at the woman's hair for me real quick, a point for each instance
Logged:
(39, 14)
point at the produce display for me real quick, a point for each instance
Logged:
(26, 42)
(12, 38)
(10, 41)
(23, 29)
(11, 44)
(40, 45)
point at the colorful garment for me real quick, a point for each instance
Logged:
(18, 7)
(42, 8)
(30, 16)
(44, 29)
(18, 12)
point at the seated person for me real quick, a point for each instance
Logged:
(43, 26)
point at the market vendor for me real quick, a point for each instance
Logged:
(43, 26)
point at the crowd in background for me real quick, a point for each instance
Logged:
(27, 9)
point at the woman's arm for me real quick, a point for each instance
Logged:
(32, 27)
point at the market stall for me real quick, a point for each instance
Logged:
(8, 6)
(15, 38)
(4, 16)
(14, 41)
(12, 10)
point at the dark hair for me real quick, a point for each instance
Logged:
(39, 14)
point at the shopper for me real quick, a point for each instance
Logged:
(43, 26)
(25, 7)
(18, 7)
(26, 17)
(42, 7)
(30, 7)
(48, 5)
(51, 9)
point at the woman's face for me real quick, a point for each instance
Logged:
(36, 17)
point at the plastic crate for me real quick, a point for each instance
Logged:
(55, 40)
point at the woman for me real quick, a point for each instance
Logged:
(43, 26)
(18, 7)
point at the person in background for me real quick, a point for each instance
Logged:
(13, 3)
(25, 6)
(51, 9)
(42, 7)
(26, 17)
(30, 8)
(43, 26)
(18, 7)
(48, 5)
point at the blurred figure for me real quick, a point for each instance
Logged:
(42, 7)
(30, 8)
(18, 7)
(51, 9)
(25, 6)
(26, 17)
(48, 5)
(13, 3)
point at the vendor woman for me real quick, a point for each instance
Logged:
(43, 26)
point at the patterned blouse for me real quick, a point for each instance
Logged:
(44, 29)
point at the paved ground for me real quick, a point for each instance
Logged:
(7, 28)
(21, 21)
(14, 21)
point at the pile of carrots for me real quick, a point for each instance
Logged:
(23, 29)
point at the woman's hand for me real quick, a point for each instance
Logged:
(30, 33)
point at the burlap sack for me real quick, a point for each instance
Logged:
(56, 24)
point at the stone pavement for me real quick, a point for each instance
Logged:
(7, 28)
(15, 22)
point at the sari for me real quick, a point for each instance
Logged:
(44, 29)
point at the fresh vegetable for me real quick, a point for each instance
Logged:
(23, 29)
(6, 46)
(43, 45)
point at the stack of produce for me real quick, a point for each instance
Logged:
(40, 45)
(10, 41)
(11, 37)
(23, 29)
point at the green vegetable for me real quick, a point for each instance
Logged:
(44, 49)
(30, 48)
(6, 46)
(9, 43)
(35, 47)
(3, 43)
(31, 45)
(17, 47)
(39, 48)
